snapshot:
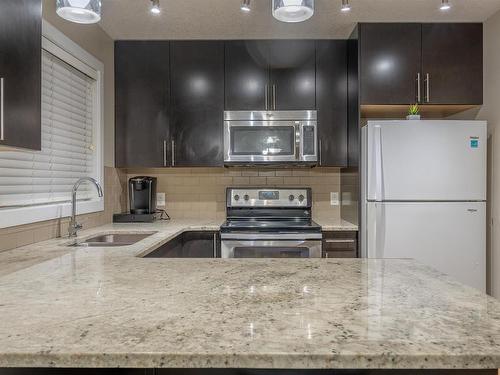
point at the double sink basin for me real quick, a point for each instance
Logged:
(112, 240)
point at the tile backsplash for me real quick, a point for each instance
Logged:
(114, 202)
(200, 192)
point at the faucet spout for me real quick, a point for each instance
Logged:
(73, 225)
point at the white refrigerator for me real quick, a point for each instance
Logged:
(423, 195)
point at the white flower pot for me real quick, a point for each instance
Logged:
(413, 117)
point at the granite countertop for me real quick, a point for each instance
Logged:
(106, 307)
(332, 225)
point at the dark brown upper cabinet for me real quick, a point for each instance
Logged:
(20, 73)
(292, 66)
(270, 75)
(246, 75)
(197, 103)
(452, 63)
(331, 98)
(142, 95)
(404, 63)
(390, 62)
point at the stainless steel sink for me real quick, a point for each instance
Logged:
(113, 239)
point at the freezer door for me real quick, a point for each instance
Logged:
(449, 236)
(426, 161)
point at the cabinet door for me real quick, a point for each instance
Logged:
(197, 70)
(142, 91)
(390, 56)
(246, 75)
(340, 245)
(292, 74)
(20, 72)
(452, 57)
(331, 97)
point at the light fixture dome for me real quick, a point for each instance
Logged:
(293, 10)
(79, 11)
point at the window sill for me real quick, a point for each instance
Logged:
(11, 217)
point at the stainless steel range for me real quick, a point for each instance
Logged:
(270, 223)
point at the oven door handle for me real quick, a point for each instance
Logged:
(271, 236)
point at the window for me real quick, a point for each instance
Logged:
(35, 185)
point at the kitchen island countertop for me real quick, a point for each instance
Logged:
(106, 307)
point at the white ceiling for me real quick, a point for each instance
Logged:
(222, 19)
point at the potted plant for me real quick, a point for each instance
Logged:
(413, 112)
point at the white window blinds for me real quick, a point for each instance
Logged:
(68, 152)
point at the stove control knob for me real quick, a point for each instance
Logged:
(246, 197)
(301, 198)
(236, 197)
(291, 198)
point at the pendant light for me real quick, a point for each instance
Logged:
(346, 7)
(155, 7)
(293, 10)
(245, 6)
(445, 5)
(79, 11)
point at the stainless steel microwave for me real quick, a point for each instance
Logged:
(270, 137)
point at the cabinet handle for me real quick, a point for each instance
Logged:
(215, 245)
(419, 91)
(340, 241)
(266, 93)
(428, 87)
(1, 108)
(274, 97)
(164, 153)
(173, 153)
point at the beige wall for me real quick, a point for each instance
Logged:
(96, 42)
(200, 192)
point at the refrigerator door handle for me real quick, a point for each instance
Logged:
(377, 163)
(379, 230)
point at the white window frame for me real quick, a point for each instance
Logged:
(56, 43)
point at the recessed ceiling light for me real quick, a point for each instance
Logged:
(445, 5)
(155, 7)
(79, 11)
(346, 7)
(245, 6)
(293, 10)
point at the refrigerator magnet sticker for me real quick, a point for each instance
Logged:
(474, 142)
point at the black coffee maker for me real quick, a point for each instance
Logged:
(142, 195)
(142, 201)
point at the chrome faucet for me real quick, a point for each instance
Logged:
(73, 225)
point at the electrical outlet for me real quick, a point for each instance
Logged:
(160, 199)
(334, 198)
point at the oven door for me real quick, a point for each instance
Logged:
(261, 141)
(270, 248)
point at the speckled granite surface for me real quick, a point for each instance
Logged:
(106, 307)
(332, 225)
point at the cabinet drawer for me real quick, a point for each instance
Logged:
(340, 244)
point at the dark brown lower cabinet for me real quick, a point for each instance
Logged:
(189, 245)
(343, 244)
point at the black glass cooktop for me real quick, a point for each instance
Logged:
(263, 225)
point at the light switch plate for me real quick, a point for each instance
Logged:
(160, 200)
(334, 198)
